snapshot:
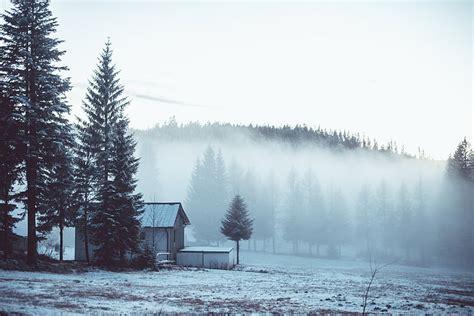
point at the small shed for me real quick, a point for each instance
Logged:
(163, 228)
(206, 257)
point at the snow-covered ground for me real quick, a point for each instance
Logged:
(265, 282)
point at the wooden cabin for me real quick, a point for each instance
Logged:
(162, 230)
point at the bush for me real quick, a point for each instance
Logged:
(145, 260)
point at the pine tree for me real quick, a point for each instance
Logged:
(84, 179)
(56, 199)
(338, 225)
(313, 208)
(113, 165)
(383, 215)
(405, 220)
(460, 164)
(264, 211)
(421, 222)
(207, 195)
(364, 218)
(236, 224)
(221, 190)
(126, 204)
(11, 152)
(249, 193)
(294, 209)
(458, 215)
(29, 58)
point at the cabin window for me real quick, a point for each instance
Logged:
(142, 236)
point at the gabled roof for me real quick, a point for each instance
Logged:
(163, 215)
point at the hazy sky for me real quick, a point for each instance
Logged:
(400, 70)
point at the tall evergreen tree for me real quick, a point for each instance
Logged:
(11, 153)
(114, 167)
(339, 228)
(237, 225)
(221, 189)
(383, 215)
(56, 199)
(126, 204)
(315, 230)
(457, 217)
(422, 224)
(405, 220)
(294, 211)
(365, 219)
(30, 55)
(84, 179)
(264, 211)
(207, 195)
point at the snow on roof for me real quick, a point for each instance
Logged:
(206, 249)
(162, 214)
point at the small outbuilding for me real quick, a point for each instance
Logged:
(206, 257)
(162, 230)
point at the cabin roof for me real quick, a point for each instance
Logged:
(162, 215)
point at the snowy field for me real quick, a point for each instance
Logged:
(264, 283)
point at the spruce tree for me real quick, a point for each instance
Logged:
(11, 152)
(314, 230)
(30, 55)
(84, 179)
(294, 208)
(405, 220)
(221, 191)
(458, 215)
(338, 227)
(236, 224)
(56, 199)
(126, 204)
(113, 221)
(364, 219)
(207, 195)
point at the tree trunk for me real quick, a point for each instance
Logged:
(238, 251)
(6, 241)
(61, 241)
(61, 232)
(264, 244)
(317, 250)
(86, 236)
(31, 178)
(310, 248)
(254, 244)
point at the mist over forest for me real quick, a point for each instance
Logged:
(310, 191)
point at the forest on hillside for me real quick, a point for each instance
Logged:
(312, 191)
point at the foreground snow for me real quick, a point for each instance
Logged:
(274, 283)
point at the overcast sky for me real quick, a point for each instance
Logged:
(389, 70)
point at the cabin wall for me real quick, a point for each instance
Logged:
(179, 235)
(156, 238)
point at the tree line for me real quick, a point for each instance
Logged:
(298, 135)
(405, 221)
(65, 174)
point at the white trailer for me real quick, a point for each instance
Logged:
(206, 257)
